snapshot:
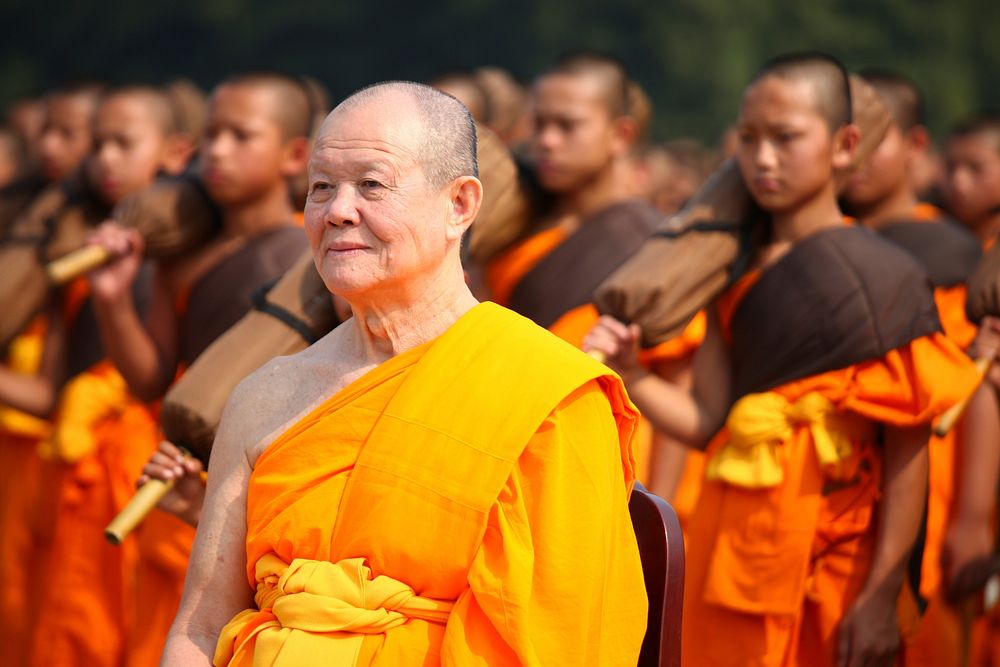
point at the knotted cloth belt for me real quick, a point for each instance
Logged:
(321, 597)
(758, 424)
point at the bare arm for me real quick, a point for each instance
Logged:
(869, 634)
(691, 416)
(668, 457)
(146, 356)
(216, 587)
(969, 537)
(37, 394)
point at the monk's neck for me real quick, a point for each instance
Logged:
(261, 214)
(987, 229)
(605, 189)
(796, 224)
(898, 206)
(393, 323)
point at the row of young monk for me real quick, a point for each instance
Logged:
(584, 142)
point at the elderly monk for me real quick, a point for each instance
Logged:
(437, 481)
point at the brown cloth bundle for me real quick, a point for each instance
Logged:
(173, 215)
(695, 253)
(506, 209)
(287, 318)
(984, 288)
(58, 220)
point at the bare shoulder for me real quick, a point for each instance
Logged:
(280, 393)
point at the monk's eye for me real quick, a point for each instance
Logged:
(319, 190)
(370, 185)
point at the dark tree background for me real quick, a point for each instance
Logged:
(693, 56)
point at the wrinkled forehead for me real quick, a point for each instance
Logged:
(389, 126)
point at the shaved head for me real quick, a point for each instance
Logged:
(291, 104)
(607, 71)
(825, 75)
(157, 103)
(447, 148)
(900, 94)
(986, 125)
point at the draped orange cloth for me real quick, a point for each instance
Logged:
(463, 503)
(773, 570)
(20, 469)
(96, 454)
(505, 273)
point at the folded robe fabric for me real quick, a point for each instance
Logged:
(507, 506)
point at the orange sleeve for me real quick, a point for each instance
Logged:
(951, 309)
(504, 273)
(680, 346)
(913, 384)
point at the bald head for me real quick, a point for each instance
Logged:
(290, 107)
(446, 147)
(900, 94)
(156, 103)
(985, 125)
(824, 74)
(609, 73)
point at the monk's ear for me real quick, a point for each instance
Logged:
(918, 139)
(845, 146)
(296, 156)
(177, 153)
(465, 198)
(625, 134)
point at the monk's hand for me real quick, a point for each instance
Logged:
(967, 556)
(114, 279)
(619, 344)
(185, 499)
(869, 633)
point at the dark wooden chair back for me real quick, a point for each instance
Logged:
(661, 548)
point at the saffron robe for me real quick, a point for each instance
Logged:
(775, 568)
(949, 253)
(473, 490)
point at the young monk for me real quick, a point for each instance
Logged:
(972, 178)
(65, 139)
(375, 522)
(255, 142)
(815, 479)
(584, 132)
(881, 194)
(29, 379)
(101, 435)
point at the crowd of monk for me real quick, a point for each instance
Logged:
(824, 522)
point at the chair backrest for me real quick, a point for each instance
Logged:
(661, 548)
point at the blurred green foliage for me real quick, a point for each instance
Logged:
(693, 56)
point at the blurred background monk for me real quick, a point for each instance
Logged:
(436, 479)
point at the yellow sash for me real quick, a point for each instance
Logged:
(328, 607)
(759, 423)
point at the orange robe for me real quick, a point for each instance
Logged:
(102, 438)
(937, 642)
(489, 528)
(773, 570)
(20, 469)
(505, 273)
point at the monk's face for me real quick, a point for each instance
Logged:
(972, 182)
(786, 151)
(244, 155)
(883, 174)
(129, 147)
(373, 220)
(66, 136)
(575, 137)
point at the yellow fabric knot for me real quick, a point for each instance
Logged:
(84, 402)
(333, 604)
(24, 357)
(759, 424)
